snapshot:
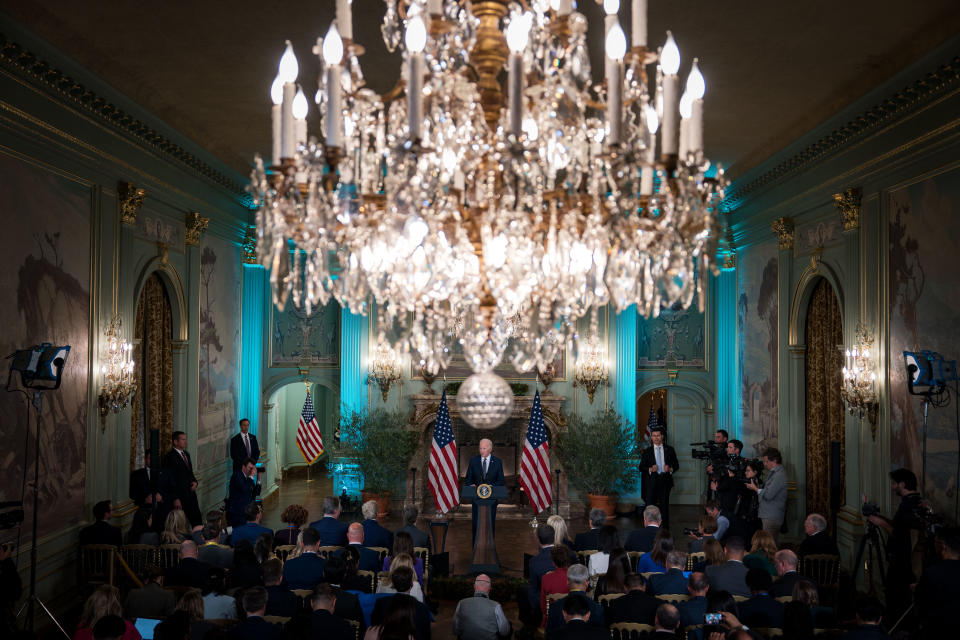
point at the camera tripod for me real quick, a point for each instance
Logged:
(870, 543)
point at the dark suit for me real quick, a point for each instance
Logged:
(820, 542)
(657, 486)
(540, 565)
(304, 571)
(579, 630)
(100, 532)
(783, 586)
(868, 632)
(329, 626)
(282, 602)
(691, 611)
(190, 572)
(369, 559)
(243, 491)
(376, 535)
(937, 593)
(671, 582)
(180, 477)
(420, 538)
(348, 606)
(254, 628)
(586, 541)
(139, 486)
(636, 606)
(333, 533)
(642, 539)
(761, 611)
(494, 476)
(555, 618)
(150, 601)
(421, 618)
(219, 555)
(249, 531)
(238, 452)
(730, 576)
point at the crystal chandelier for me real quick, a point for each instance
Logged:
(385, 368)
(493, 218)
(590, 371)
(117, 384)
(859, 378)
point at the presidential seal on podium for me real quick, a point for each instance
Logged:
(484, 491)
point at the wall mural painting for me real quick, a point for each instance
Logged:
(298, 338)
(676, 339)
(220, 281)
(924, 297)
(757, 327)
(46, 265)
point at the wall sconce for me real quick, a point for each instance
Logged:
(859, 378)
(385, 368)
(117, 384)
(591, 369)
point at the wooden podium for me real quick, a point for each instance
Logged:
(484, 549)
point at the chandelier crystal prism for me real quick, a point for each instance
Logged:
(461, 210)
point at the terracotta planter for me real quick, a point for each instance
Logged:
(382, 500)
(607, 503)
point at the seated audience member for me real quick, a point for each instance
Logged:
(216, 520)
(101, 531)
(374, 534)
(578, 579)
(403, 543)
(386, 584)
(402, 579)
(175, 528)
(714, 555)
(786, 562)
(797, 622)
(191, 605)
(666, 621)
(419, 537)
(762, 552)
(245, 570)
(607, 540)
(369, 559)
(306, 570)
(706, 530)
(151, 600)
(252, 529)
(731, 575)
(333, 533)
(642, 539)
(177, 627)
(479, 617)
(806, 591)
(762, 609)
(818, 541)
(211, 551)
(692, 610)
(587, 540)
(614, 580)
(141, 529)
(399, 621)
(295, 516)
(104, 601)
(189, 572)
(638, 605)
(869, 619)
(673, 581)
(528, 598)
(554, 581)
(353, 581)
(939, 588)
(217, 603)
(253, 626)
(263, 548)
(280, 600)
(348, 604)
(323, 621)
(577, 615)
(656, 560)
(110, 627)
(560, 532)
(724, 603)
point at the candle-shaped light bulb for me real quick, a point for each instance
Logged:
(639, 23)
(616, 48)
(345, 18)
(518, 33)
(416, 35)
(276, 90)
(670, 56)
(848, 353)
(616, 44)
(611, 7)
(696, 87)
(332, 46)
(416, 40)
(653, 120)
(289, 69)
(866, 353)
(686, 105)
(300, 105)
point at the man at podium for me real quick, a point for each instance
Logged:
(485, 468)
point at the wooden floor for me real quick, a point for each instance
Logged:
(514, 537)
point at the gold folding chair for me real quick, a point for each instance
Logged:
(371, 576)
(327, 551)
(629, 630)
(424, 553)
(139, 556)
(693, 559)
(382, 552)
(280, 620)
(168, 555)
(824, 569)
(635, 558)
(98, 563)
(768, 632)
(606, 599)
(673, 597)
(283, 551)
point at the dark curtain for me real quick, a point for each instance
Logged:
(824, 410)
(153, 355)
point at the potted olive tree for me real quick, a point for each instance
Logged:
(382, 447)
(599, 455)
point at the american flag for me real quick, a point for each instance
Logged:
(652, 422)
(535, 462)
(443, 472)
(309, 440)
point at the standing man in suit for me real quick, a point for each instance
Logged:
(243, 491)
(485, 468)
(181, 481)
(658, 462)
(140, 484)
(333, 533)
(773, 494)
(244, 445)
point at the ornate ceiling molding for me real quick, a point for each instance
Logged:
(909, 99)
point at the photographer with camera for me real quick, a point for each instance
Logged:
(906, 521)
(772, 496)
(728, 476)
(748, 506)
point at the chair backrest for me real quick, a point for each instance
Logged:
(222, 622)
(635, 558)
(606, 599)
(98, 563)
(627, 630)
(356, 628)
(822, 568)
(304, 594)
(693, 631)
(371, 577)
(551, 598)
(139, 556)
(283, 551)
(423, 552)
(673, 597)
(281, 620)
(382, 552)
(383, 577)
(646, 574)
(767, 632)
(583, 557)
(741, 598)
(326, 551)
(693, 559)
(168, 555)
(785, 599)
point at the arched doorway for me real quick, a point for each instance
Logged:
(824, 414)
(153, 358)
(283, 419)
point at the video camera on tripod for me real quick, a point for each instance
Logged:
(723, 463)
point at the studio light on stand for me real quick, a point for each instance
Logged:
(927, 375)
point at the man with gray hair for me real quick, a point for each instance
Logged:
(818, 540)
(333, 533)
(578, 579)
(786, 563)
(673, 581)
(588, 539)
(642, 539)
(479, 617)
(374, 534)
(420, 538)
